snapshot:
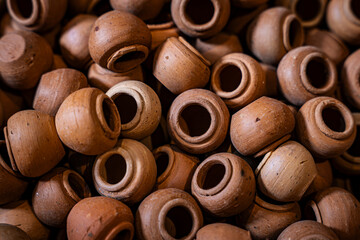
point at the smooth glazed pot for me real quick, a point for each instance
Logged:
(350, 79)
(10, 232)
(198, 121)
(144, 9)
(168, 214)
(248, 3)
(323, 179)
(161, 32)
(222, 231)
(100, 122)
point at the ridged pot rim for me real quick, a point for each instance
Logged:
(15, 13)
(71, 191)
(314, 21)
(166, 149)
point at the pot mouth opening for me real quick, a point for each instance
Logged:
(78, 189)
(115, 169)
(199, 12)
(318, 72)
(195, 120)
(211, 176)
(130, 58)
(22, 9)
(109, 115)
(308, 10)
(230, 78)
(127, 107)
(294, 33)
(334, 119)
(179, 222)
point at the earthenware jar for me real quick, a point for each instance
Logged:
(100, 218)
(222, 231)
(100, 122)
(119, 41)
(24, 57)
(350, 79)
(238, 79)
(167, 214)
(323, 179)
(161, 32)
(248, 3)
(286, 34)
(261, 126)
(144, 9)
(325, 126)
(198, 121)
(200, 18)
(179, 66)
(10, 232)
(305, 73)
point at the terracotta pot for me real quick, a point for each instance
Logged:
(55, 86)
(167, 214)
(119, 41)
(305, 73)
(261, 126)
(144, 9)
(100, 122)
(198, 121)
(325, 126)
(286, 34)
(248, 3)
(238, 79)
(179, 66)
(271, 80)
(25, 56)
(55, 195)
(100, 218)
(323, 179)
(126, 172)
(10, 232)
(342, 219)
(161, 32)
(58, 62)
(10, 104)
(350, 79)
(222, 231)
(82, 6)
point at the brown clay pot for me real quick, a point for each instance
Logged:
(273, 33)
(24, 57)
(198, 121)
(224, 184)
(58, 62)
(222, 231)
(323, 179)
(161, 32)
(126, 172)
(100, 218)
(325, 126)
(248, 3)
(168, 214)
(56, 193)
(271, 80)
(238, 79)
(350, 79)
(119, 41)
(201, 19)
(261, 126)
(100, 122)
(305, 73)
(179, 66)
(10, 232)
(139, 108)
(144, 9)
(55, 86)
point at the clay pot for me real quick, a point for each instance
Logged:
(198, 121)
(238, 79)
(248, 3)
(285, 173)
(175, 169)
(33, 145)
(58, 62)
(74, 41)
(139, 108)
(201, 19)
(126, 172)
(342, 219)
(10, 232)
(350, 79)
(56, 193)
(161, 32)
(167, 214)
(119, 41)
(266, 220)
(261, 126)
(305, 73)
(323, 179)
(271, 80)
(10, 104)
(179, 66)
(55, 86)
(37, 15)
(144, 9)
(100, 122)
(25, 56)
(343, 18)
(21, 215)
(325, 126)
(222, 231)
(100, 218)
(307, 230)
(286, 34)
(224, 185)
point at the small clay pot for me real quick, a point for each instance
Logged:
(179, 66)
(25, 56)
(224, 184)
(305, 73)
(222, 231)
(74, 41)
(100, 218)
(238, 79)
(139, 108)
(33, 145)
(248, 3)
(10, 232)
(119, 41)
(56, 193)
(323, 179)
(325, 126)
(350, 79)
(88, 122)
(161, 32)
(198, 121)
(261, 126)
(271, 80)
(55, 86)
(144, 9)
(168, 214)
(273, 33)
(58, 62)
(200, 18)
(126, 172)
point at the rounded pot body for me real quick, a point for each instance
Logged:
(350, 79)
(222, 231)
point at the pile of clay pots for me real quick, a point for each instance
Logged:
(181, 119)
